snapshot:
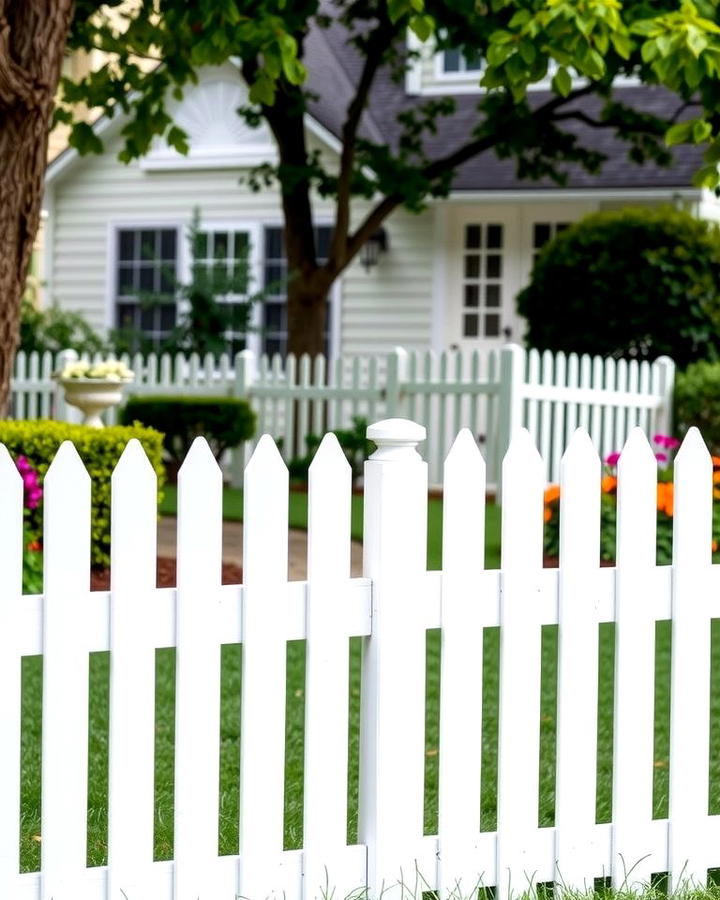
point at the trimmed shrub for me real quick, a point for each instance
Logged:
(637, 282)
(99, 448)
(225, 422)
(697, 401)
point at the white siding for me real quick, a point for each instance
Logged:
(391, 304)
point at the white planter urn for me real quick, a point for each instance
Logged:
(92, 396)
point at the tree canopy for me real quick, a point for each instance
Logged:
(156, 47)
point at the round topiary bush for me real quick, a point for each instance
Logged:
(635, 282)
(697, 401)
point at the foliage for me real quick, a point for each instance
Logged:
(353, 443)
(53, 329)
(638, 282)
(697, 401)
(224, 421)
(521, 44)
(608, 506)
(37, 442)
(109, 370)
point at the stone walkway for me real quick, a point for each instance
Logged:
(233, 542)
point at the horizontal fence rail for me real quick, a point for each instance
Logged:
(493, 394)
(392, 610)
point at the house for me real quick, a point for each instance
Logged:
(445, 278)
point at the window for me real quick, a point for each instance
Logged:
(454, 61)
(543, 232)
(222, 260)
(147, 265)
(482, 281)
(274, 308)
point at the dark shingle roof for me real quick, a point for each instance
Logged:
(332, 61)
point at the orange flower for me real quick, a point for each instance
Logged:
(665, 497)
(609, 484)
(34, 546)
(716, 462)
(552, 492)
(714, 546)
(547, 515)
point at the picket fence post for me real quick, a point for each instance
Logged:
(392, 715)
(510, 400)
(395, 378)
(245, 369)
(665, 369)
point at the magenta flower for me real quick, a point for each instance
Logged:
(661, 457)
(664, 440)
(613, 458)
(31, 482)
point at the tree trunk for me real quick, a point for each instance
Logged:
(33, 34)
(307, 316)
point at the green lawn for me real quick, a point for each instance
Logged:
(230, 718)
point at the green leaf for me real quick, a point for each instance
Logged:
(701, 131)
(562, 82)
(707, 177)
(422, 26)
(678, 134)
(262, 91)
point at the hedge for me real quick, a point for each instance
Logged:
(99, 448)
(225, 422)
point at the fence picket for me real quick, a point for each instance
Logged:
(691, 661)
(326, 678)
(11, 558)
(197, 673)
(519, 714)
(632, 864)
(558, 419)
(462, 666)
(575, 834)
(132, 675)
(262, 751)
(66, 553)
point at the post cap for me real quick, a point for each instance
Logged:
(395, 438)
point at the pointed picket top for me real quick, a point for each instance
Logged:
(329, 503)
(692, 501)
(636, 502)
(133, 466)
(522, 454)
(464, 506)
(266, 458)
(523, 481)
(580, 502)
(11, 483)
(329, 459)
(133, 523)
(265, 543)
(199, 458)
(464, 451)
(65, 467)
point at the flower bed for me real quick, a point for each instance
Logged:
(666, 447)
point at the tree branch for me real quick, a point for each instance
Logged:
(378, 44)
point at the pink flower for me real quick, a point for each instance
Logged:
(613, 458)
(31, 482)
(664, 440)
(661, 457)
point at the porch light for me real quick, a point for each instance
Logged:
(376, 244)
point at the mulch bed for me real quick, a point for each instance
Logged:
(166, 575)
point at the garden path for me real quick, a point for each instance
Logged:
(233, 542)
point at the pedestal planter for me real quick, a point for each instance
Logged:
(92, 396)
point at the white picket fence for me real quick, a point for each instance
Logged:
(391, 608)
(493, 394)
